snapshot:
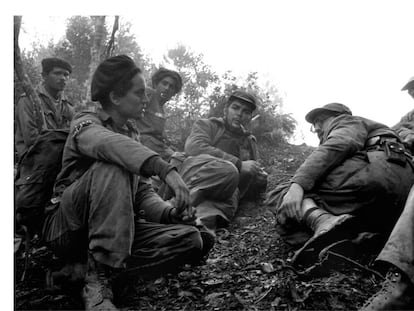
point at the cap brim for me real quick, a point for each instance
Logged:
(310, 116)
(409, 85)
(245, 100)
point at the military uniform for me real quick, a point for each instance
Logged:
(151, 127)
(57, 115)
(351, 173)
(405, 129)
(107, 205)
(211, 169)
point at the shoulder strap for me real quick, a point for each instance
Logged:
(39, 114)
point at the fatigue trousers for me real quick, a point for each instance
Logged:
(96, 214)
(213, 185)
(399, 249)
(365, 185)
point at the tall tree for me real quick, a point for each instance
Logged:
(22, 75)
(79, 34)
(96, 50)
(198, 77)
(126, 44)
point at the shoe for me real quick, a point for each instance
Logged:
(69, 275)
(327, 222)
(336, 229)
(397, 293)
(209, 238)
(97, 293)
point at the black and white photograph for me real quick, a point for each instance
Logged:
(209, 155)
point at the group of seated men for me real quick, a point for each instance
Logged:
(126, 203)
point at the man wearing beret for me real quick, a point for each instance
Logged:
(405, 128)
(358, 178)
(220, 166)
(56, 110)
(166, 83)
(397, 256)
(107, 213)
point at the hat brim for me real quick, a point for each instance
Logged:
(311, 115)
(409, 85)
(245, 100)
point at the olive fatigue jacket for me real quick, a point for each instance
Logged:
(94, 137)
(57, 113)
(206, 134)
(405, 128)
(344, 137)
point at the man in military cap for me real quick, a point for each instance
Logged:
(166, 83)
(55, 111)
(221, 166)
(358, 170)
(397, 256)
(405, 128)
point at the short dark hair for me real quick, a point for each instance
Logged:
(162, 72)
(49, 63)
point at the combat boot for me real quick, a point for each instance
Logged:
(327, 229)
(321, 221)
(97, 293)
(397, 293)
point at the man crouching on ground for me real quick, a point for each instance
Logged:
(109, 216)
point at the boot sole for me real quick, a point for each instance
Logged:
(308, 254)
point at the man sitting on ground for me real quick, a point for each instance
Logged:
(358, 170)
(221, 165)
(108, 214)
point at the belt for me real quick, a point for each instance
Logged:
(378, 140)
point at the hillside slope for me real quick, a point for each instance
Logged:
(246, 270)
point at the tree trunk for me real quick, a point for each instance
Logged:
(111, 43)
(23, 77)
(99, 25)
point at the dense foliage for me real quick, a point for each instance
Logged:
(204, 91)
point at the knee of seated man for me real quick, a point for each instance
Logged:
(193, 238)
(227, 172)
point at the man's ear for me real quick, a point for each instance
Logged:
(114, 99)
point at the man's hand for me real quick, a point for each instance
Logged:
(182, 194)
(291, 204)
(261, 176)
(188, 217)
(250, 167)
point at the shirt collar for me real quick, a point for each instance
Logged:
(61, 95)
(107, 119)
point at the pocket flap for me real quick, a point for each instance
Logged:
(35, 177)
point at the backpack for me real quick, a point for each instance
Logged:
(35, 178)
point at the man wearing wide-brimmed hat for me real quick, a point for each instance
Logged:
(357, 179)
